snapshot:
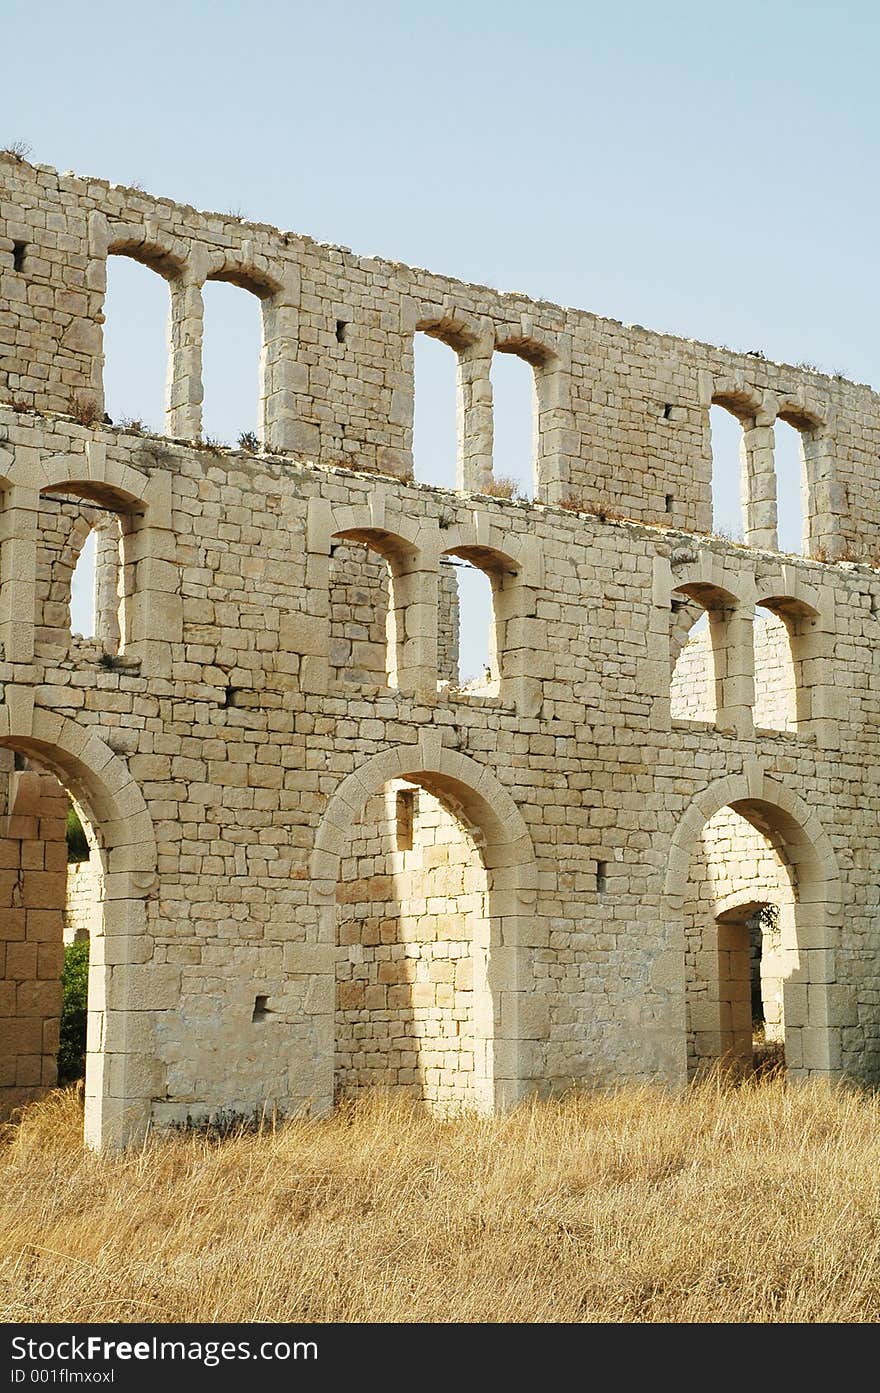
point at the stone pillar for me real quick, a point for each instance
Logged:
(108, 566)
(412, 620)
(475, 424)
(18, 563)
(557, 442)
(732, 636)
(154, 606)
(285, 381)
(185, 392)
(758, 486)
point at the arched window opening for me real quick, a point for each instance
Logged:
(467, 627)
(473, 622)
(83, 576)
(365, 628)
(694, 685)
(52, 905)
(740, 943)
(726, 430)
(136, 339)
(435, 412)
(413, 1010)
(515, 403)
(231, 375)
(775, 680)
(791, 485)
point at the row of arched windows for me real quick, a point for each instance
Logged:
(136, 351)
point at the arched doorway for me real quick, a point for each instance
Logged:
(763, 846)
(437, 877)
(125, 988)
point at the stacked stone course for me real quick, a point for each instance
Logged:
(238, 723)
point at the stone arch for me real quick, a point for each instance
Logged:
(803, 614)
(822, 501)
(489, 551)
(816, 1005)
(409, 584)
(520, 1025)
(125, 987)
(710, 685)
(450, 327)
(167, 256)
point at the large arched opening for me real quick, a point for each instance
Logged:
(48, 764)
(423, 876)
(745, 843)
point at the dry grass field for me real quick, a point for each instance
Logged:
(751, 1203)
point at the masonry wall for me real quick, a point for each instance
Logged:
(225, 749)
(411, 919)
(32, 884)
(623, 412)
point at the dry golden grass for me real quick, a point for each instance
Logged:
(757, 1203)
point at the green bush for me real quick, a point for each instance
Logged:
(77, 846)
(74, 999)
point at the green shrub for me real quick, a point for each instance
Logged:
(74, 999)
(77, 846)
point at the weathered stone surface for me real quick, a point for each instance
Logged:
(275, 662)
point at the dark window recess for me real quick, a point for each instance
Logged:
(18, 761)
(667, 411)
(261, 1009)
(18, 251)
(230, 697)
(601, 877)
(341, 330)
(670, 499)
(406, 813)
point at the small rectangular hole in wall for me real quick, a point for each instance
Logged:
(341, 330)
(18, 251)
(667, 411)
(18, 761)
(405, 818)
(670, 499)
(261, 1009)
(601, 877)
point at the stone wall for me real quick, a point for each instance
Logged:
(413, 914)
(225, 747)
(32, 885)
(622, 412)
(82, 911)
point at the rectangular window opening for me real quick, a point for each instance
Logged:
(341, 330)
(405, 818)
(667, 411)
(261, 1009)
(18, 251)
(601, 877)
(670, 499)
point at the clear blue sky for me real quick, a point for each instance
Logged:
(706, 169)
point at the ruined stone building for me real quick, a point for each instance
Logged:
(320, 861)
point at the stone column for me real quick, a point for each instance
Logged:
(758, 486)
(108, 564)
(154, 606)
(557, 442)
(732, 636)
(475, 423)
(185, 392)
(412, 619)
(285, 381)
(18, 564)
